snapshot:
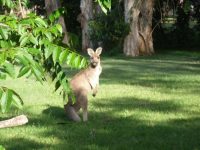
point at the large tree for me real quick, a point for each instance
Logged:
(52, 5)
(138, 13)
(84, 18)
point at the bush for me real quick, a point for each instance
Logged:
(109, 31)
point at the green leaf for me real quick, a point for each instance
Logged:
(33, 51)
(57, 85)
(9, 68)
(63, 56)
(64, 84)
(8, 3)
(48, 35)
(5, 44)
(70, 59)
(17, 101)
(24, 41)
(2, 17)
(105, 5)
(67, 89)
(51, 18)
(37, 73)
(3, 2)
(23, 71)
(4, 33)
(77, 61)
(48, 51)
(23, 36)
(33, 39)
(39, 67)
(2, 76)
(3, 101)
(2, 148)
(56, 54)
(40, 22)
(9, 97)
(56, 14)
(83, 63)
(59, 28)
(6, 100)
(22, 60)
(1, 93)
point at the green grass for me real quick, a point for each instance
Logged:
(143, 103)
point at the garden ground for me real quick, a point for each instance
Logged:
(143, 103)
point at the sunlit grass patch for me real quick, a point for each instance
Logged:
(143, 103)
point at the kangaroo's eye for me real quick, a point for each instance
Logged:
(98, 57)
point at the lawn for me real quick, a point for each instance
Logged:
(143, 103)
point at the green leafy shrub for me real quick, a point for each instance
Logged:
(33, 43)
(109, 30)
(2, 148)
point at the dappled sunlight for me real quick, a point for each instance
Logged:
(141, 103)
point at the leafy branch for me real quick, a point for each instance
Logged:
(33, 43)
(105, 5)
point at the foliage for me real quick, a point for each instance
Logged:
(109, 30)
(9, 97)
(2, 148)
(179, 28)
(13, 4)
(73, 9)
(7, 3)
(105, 5)
(33, 43)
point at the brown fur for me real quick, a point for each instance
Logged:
(83, 83)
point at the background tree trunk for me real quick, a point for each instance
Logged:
(52, 5)
(139, 15)
(86, 15)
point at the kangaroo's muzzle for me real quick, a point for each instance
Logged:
(94, 64)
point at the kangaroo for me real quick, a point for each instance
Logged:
(83, 83)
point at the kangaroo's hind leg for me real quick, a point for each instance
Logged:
(71, 113)
(71, 110)
(84, 106)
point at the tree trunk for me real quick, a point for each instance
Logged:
(52, 5)
(139, 15)
(84, 18)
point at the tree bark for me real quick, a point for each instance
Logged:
(139, 15)
(16, 121)
(52, 5)
(84, 18)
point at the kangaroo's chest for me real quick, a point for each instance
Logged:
(93, 77)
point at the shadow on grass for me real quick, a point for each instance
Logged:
(106, 131)
(131, 103)
(55, 112)
(23, 144)
(165, 73)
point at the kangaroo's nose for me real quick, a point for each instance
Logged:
(94, 64)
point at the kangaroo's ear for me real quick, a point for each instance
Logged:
(99, 50)
(90, 52)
